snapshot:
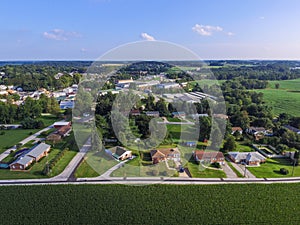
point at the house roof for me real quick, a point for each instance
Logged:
(168, 151)
(38, 150)
(208, 155)
(156, 153)
(236, 129)
(249, 156)
(61, 123)
(178, 113)
(258, 129)
(23, 160)
(120, 151)
(64, 129)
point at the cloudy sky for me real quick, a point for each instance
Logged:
(86, 29)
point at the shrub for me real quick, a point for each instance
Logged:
(284, 171)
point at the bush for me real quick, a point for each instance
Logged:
(2, 132)
(284, 171)
(216, 164)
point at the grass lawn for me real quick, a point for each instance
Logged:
(48, 119)
(240, 147)
(12, 137)
(284, 99)
(85, 170)
(171, 119)
(197, 171)
(34, 172)
(135, 170)
(62, 163)
(271, 168)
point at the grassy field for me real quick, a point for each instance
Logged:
(285, 99)
(85, 170)
(62, 163)
(197, 171)
(271, 168)
(276, 204)
(12, 137)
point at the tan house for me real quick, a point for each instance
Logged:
(165, 154)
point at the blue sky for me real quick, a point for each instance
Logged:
(85, 29)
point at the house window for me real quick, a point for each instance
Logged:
(21, 167)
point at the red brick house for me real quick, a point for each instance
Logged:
(209, 157)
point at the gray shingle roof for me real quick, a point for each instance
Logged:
(24, 160)
(38, 150)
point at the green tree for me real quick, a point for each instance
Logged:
(230, 144)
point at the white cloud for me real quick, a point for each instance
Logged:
(83, 50)
(206, 30)
(230, 33)
(262, 17)
(147, 37)
(60, 35)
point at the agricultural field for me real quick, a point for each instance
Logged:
(152, 204)
(285, 99)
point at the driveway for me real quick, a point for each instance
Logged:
(241, 169)
(228, 171)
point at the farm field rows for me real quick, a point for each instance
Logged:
(285, 99)
(152, 204)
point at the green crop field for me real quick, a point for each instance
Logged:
(152, 204)
(285, 99)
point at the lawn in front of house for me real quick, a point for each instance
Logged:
(198, 171)
(271, 168)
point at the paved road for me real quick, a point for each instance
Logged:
(70, 169)
(228, 171)
(31, 137)
(150, 180)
